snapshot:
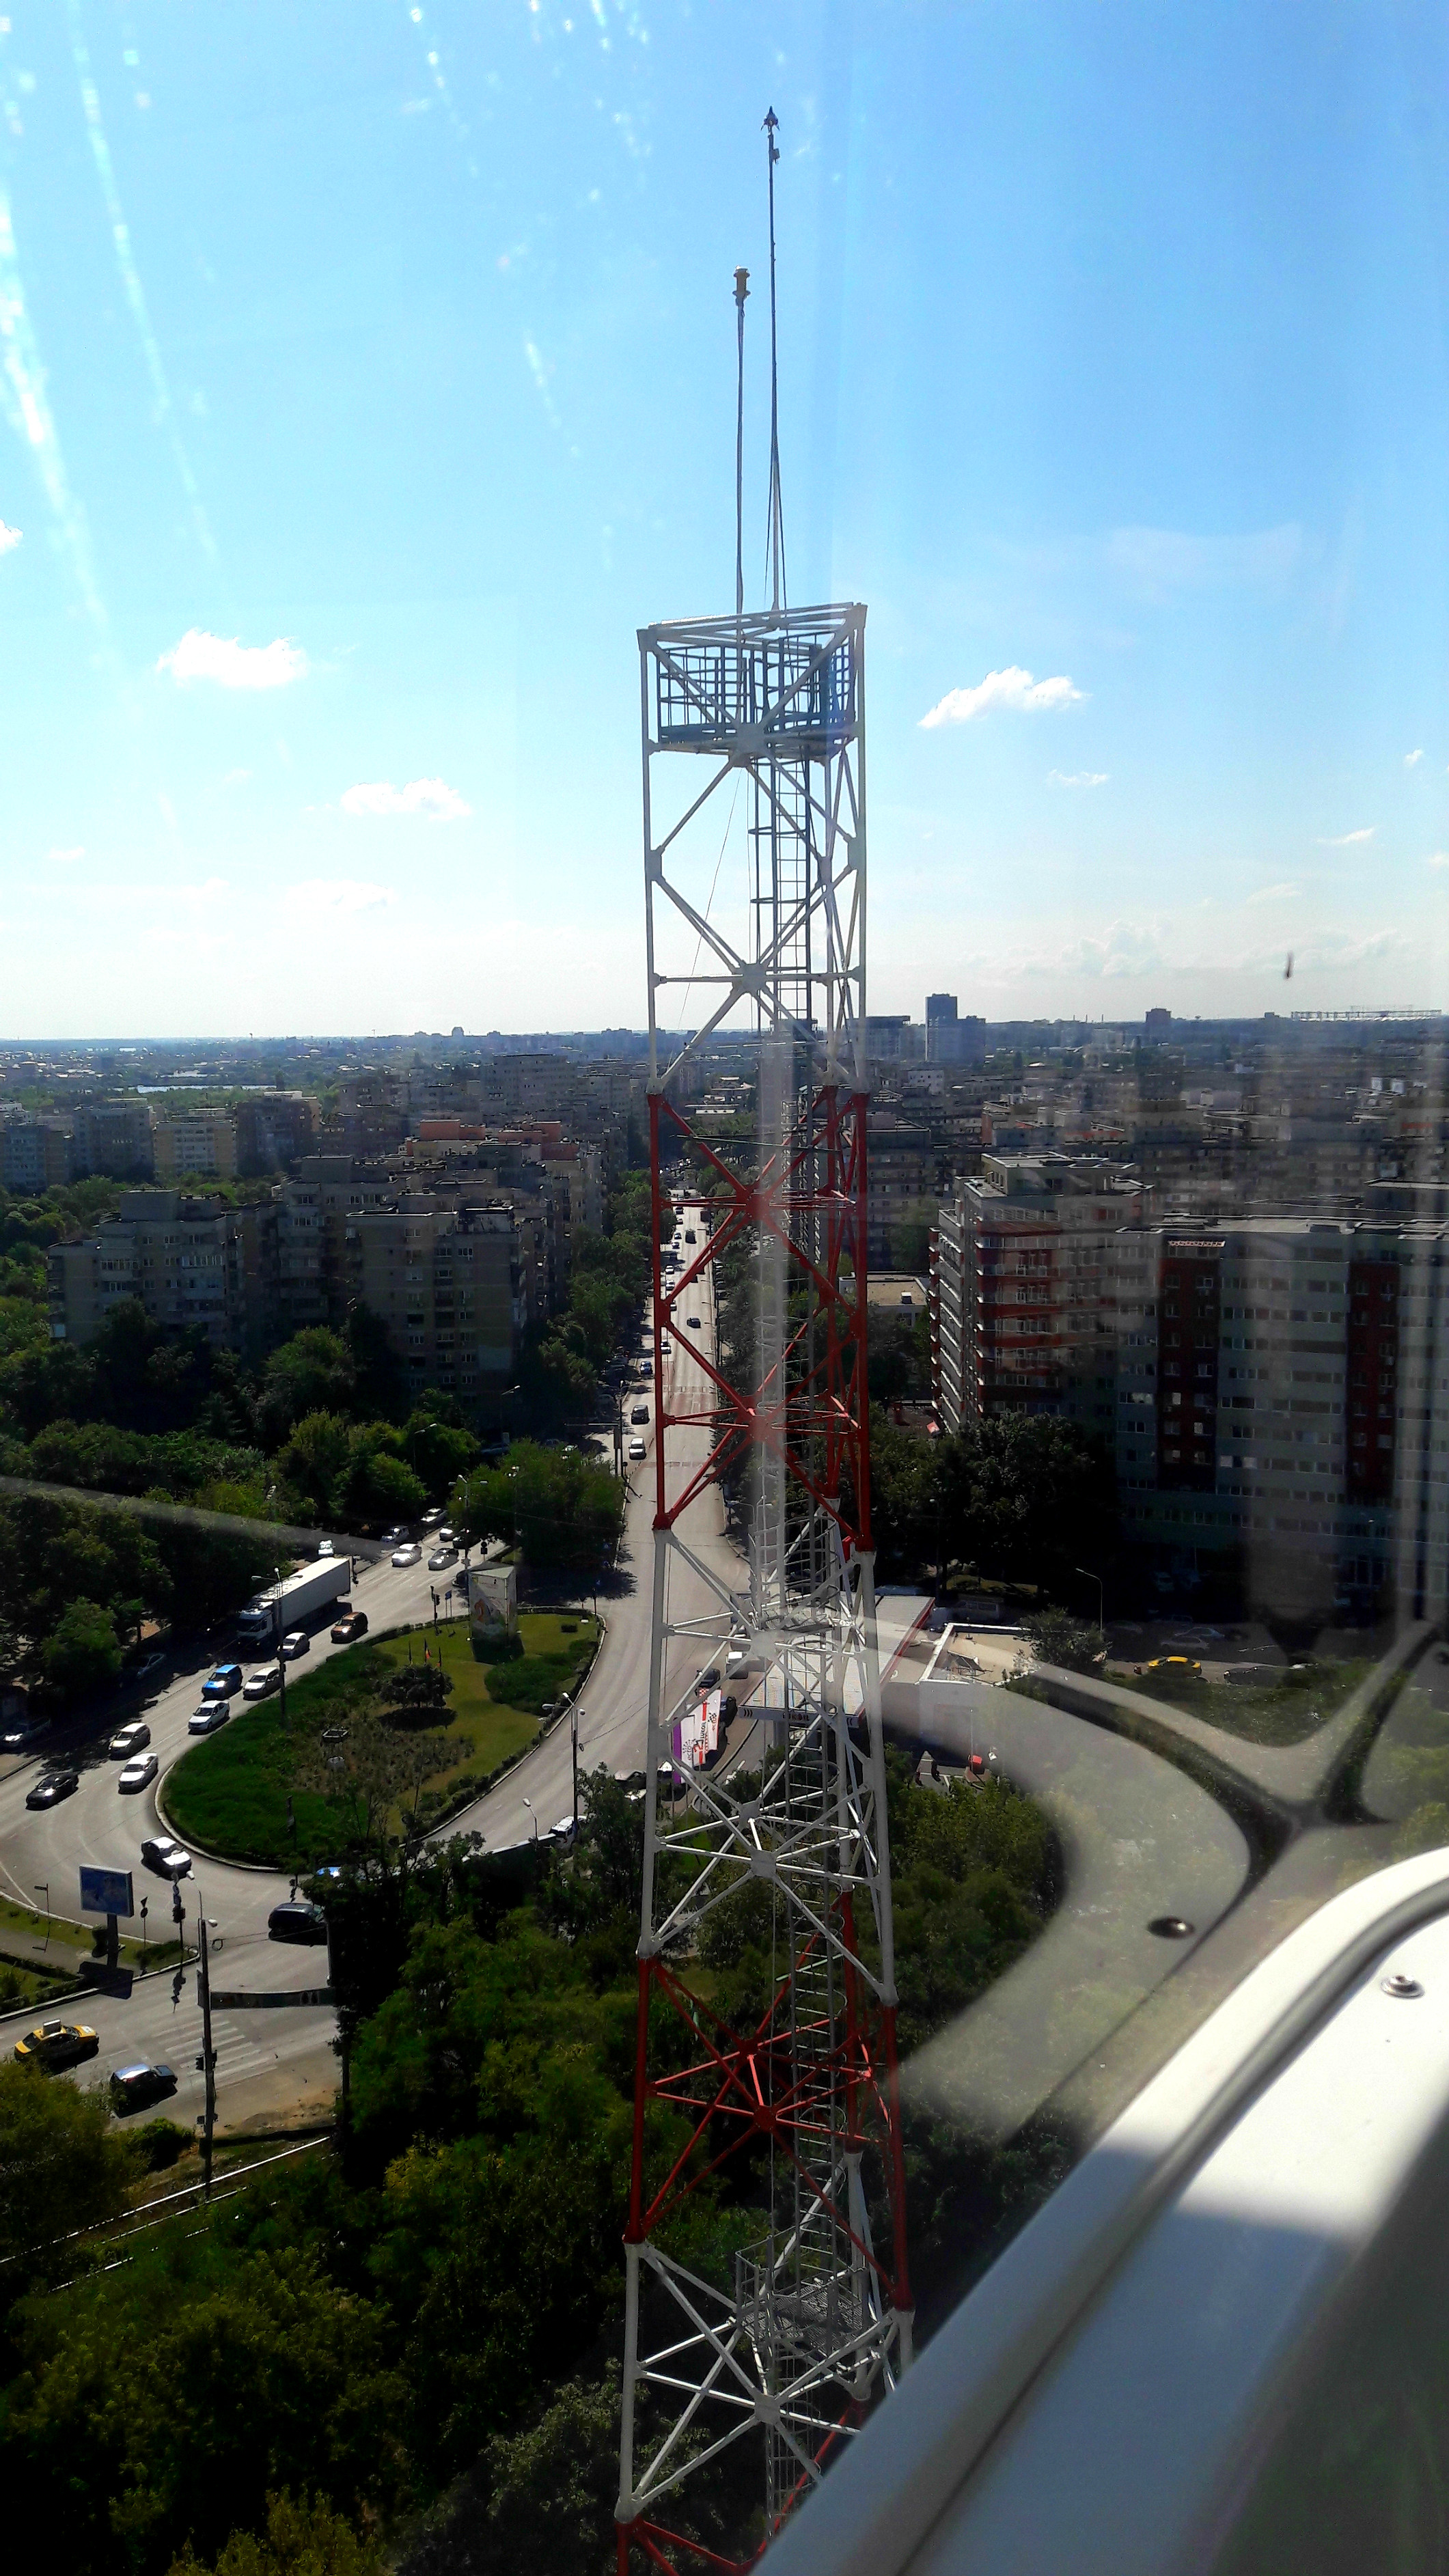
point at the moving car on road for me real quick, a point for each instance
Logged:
(440, 1557)
(261, 1684)
(52, 1787)
(206, 1719)
(296, 1920)
(693, 1322)
(53, 2044)
(296, 1642)
(133, 2087)
(349, 1629)
(220, 1684)
(165, 1857)
(640, 1413)
(22, 1733)
(138, 1774)
(637, 1449)
(409, 1554)
(129, 1740)
(397, 1537)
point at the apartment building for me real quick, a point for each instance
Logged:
(1023, 1288)
(1283, 1395)
(203, 1146)
(903, 1174)
(315, 1209)
(274, 1129)
(190, 1261)
(114, 1139)
(35, 1154)
(451, 1284)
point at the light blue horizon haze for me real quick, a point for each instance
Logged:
(393, 346)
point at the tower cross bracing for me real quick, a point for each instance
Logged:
(817, 2320)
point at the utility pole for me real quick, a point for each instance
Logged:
(208, 2053)
(574, 1725)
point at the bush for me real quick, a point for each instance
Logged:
(160, 2143)
(497, 1646)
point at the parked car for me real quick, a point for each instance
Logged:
(262, 1683)
(53, 2044)
(396, 1537)
(129, 1739)
(138, 1774)
(640, 1413)
(140, 1676)
(165, 1857)
(132, 2088)
(296, 1642)
(637, 1449)
(441, 1557)
(665, 1344)
(410, 1554)
(206, 1719)
(689, 1234)
(347, 1630)
(296, 1920)
(430, 1520)
(220, 1684)
(1185, 1667)
(51, 1787)
(325, 1547)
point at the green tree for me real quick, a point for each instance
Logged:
(562, 1508)
(82, 1653)
(304, 2537)
(64, 2168)
(314, 1372)
(1072, 1644)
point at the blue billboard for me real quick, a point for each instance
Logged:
(106, 1891)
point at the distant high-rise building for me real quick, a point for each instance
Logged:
(1158, 1027)
(204, 1145)
(274, 1129)
(940, 1007)
(114, 1138)
(35, 1153)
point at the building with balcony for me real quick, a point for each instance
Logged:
(189, 1261)
(204, 1146)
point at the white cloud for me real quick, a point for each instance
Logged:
(1010, 688)
(1346, 840)
(10, 538)
(1438, 859)
(318, 901)
(1123, 948)
(1412, 758)
(233, 665)
(1077, 777)
(430, 796)
(63, 858)
(236, 777)
(1274, 893)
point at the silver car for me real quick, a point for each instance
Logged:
(138, 1774)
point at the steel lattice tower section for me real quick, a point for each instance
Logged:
(819, 2320)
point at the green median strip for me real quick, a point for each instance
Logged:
(229, 1793)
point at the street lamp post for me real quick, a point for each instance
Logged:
(1090, 1577)
(528, 1802)
(145, 1907)
(42, 1888)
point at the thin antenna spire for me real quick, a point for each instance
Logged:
(742, 288)
(777, 515)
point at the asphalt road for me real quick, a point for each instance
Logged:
(614, 1710)
(268, 2062)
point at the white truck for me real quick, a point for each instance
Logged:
(289, 1604)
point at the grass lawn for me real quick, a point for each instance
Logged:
(1281, 1714)
(229, 1793)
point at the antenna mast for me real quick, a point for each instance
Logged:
(742, 288)
(777, 514)
(770, 1804)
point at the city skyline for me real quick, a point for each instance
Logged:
(369, 386)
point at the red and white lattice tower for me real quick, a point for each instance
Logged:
(817, 2321)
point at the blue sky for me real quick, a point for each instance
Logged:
(392, 346)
